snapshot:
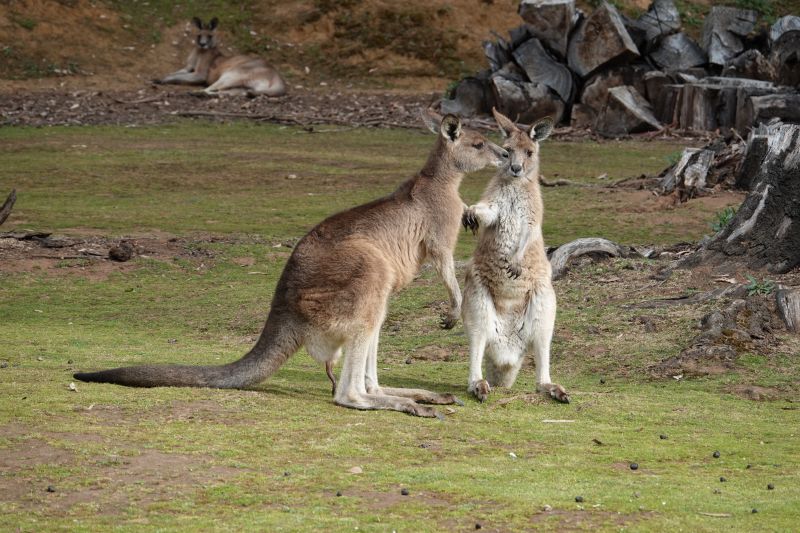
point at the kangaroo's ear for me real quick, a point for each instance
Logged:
(450, 127)
(213, 24)
(431, 119)
(542, 129)
(197, 22)
(506, 125)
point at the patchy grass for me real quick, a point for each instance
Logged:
(274, 458)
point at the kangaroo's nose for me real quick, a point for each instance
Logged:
(516, 169)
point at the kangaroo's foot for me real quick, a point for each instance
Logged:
(422, 396)
(556, 391)
(392, 403)
(480, 389)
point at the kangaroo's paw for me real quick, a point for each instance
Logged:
(480, 389)
(469, 220)
(513, 270)
(556, 391)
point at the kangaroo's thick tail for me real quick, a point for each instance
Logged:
(278, 341)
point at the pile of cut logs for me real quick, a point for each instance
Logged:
(618, 75)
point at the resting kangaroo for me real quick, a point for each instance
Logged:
(335, 287)
(509, 302)
(208, 66)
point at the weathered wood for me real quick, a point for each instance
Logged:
(471, 97)
(550, 21)
(582, 116)
(688, 175)
(785, 58)
(665, 108)
(626, 112)
(755, 152)
(498, 53)
(526, 102)
(723, 29)
(656, 92)
(750, 64)
(662, 18)
(540, 67)
(561, 256)
(765, 233)
(678, 52)
(5, 211)
(519, 35)
(717, 102)
(788, 303)
(598, 40)
(595, 91)
(757, 109)
(782, 25)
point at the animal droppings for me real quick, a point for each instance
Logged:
(579, 499)
(663, 437)
(634, 466)
(404, 492)
(770, 487)
(715, 454)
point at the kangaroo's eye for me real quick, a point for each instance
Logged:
(530, 153)
(478, 146)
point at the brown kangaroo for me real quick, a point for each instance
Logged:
(335, 287)
(208, 66)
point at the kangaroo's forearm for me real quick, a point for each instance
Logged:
(185, 78)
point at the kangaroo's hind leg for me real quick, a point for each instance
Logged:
(480, 324)
(417, 395)
(540, 318)
(351, 391)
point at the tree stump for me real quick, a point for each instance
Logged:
(598, 40)
(688, 175)
(785, 58)
(765, 232)
(550, 21)
(762, 108)
(788, 303)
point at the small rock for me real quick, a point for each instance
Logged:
(754, 511)
(602, 381)
(770, 487)
(547, 508)
(338, 493)
(715, 455)
(579, 499)
(172, 341)
(40, 358)
(512, 455)
(356, 470)
(749, 466)
(51, 488)
(722, 479)
(286, 474)
(663, 437)
(634, 466)
(72, 387)
(69, 362)
(409, 361)
(478, 525)
(4, 364)
(404, 492)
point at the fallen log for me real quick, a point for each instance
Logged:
(723, 29)
(550, 21)
(661, 19)
(762, 108)
(688, 175)
(561, 256)
(5, 211)
(599, 39)
(785, 58)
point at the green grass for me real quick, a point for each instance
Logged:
(273, 458)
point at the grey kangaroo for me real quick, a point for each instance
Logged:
(333, 294)
(509, 302)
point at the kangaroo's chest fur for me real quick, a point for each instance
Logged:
(518, 224)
